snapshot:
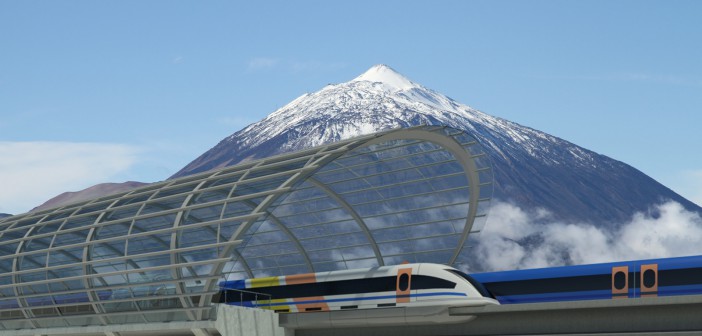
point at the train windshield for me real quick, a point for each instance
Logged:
(477, 285)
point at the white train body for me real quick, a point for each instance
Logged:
(388, 295)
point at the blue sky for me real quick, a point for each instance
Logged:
(109, 91)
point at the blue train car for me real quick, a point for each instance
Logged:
(628, 279)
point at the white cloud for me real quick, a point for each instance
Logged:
(33, 172)
(261, 63)
(515, 238)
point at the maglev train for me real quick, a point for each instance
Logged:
(616, 280)
(387, 295)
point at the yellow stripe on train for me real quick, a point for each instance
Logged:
(272, 303)
(265, 282)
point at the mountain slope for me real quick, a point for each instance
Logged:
(95, 191)
(532, 169)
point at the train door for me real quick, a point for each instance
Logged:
(620, 282)
(403, 285)
(649, 280)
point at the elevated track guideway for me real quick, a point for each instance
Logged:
(679, 315)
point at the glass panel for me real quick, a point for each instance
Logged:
(71, 298)
(37, 244)
(65, 272)
(127, 212)
(227, 229)
(259, 186)
(48, 228)
(334, 241)
(79, 222)
(13, 234)
(267, 238)
(133, 199)
(194, 256)
(234, 209)
(33, 261)
(66, 285)
(74, 237)
(198, 236)
(418, 245)
(36, 288)
(66, 256)
(147, 244)
(94, 207)
(314, 205)
(5, 266)
(9, 304)
(265, 250)
(60, 215)
(154, 223)
(40, 301)
(362, 263)
(223, 181)
(107, 250)
(203, 214)
(7, 249)
(112, 307)
(159, 260)
(418, 231)
(163, 205)
(329, 266)
(112, 230)
(109, 267)
(176, 190)
(150, 276)
(333, 228)
(165, 303)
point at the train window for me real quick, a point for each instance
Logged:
(477, 285)
(430, 282)
(404, 282)
(619, 280)
(649, 278)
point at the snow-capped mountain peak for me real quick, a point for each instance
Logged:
(391, 79)
(532, 168)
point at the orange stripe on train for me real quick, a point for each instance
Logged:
(298, 279)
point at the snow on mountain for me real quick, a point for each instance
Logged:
(389, 78)
(533, 169)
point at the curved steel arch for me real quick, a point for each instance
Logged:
(464, 159)
(286, 172)
(361, 223)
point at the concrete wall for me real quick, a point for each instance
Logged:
(241, 321)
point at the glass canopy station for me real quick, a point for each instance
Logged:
(157, 253)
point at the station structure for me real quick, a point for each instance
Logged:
(151, 259)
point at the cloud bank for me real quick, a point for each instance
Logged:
(33, 172)
(515, 238)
